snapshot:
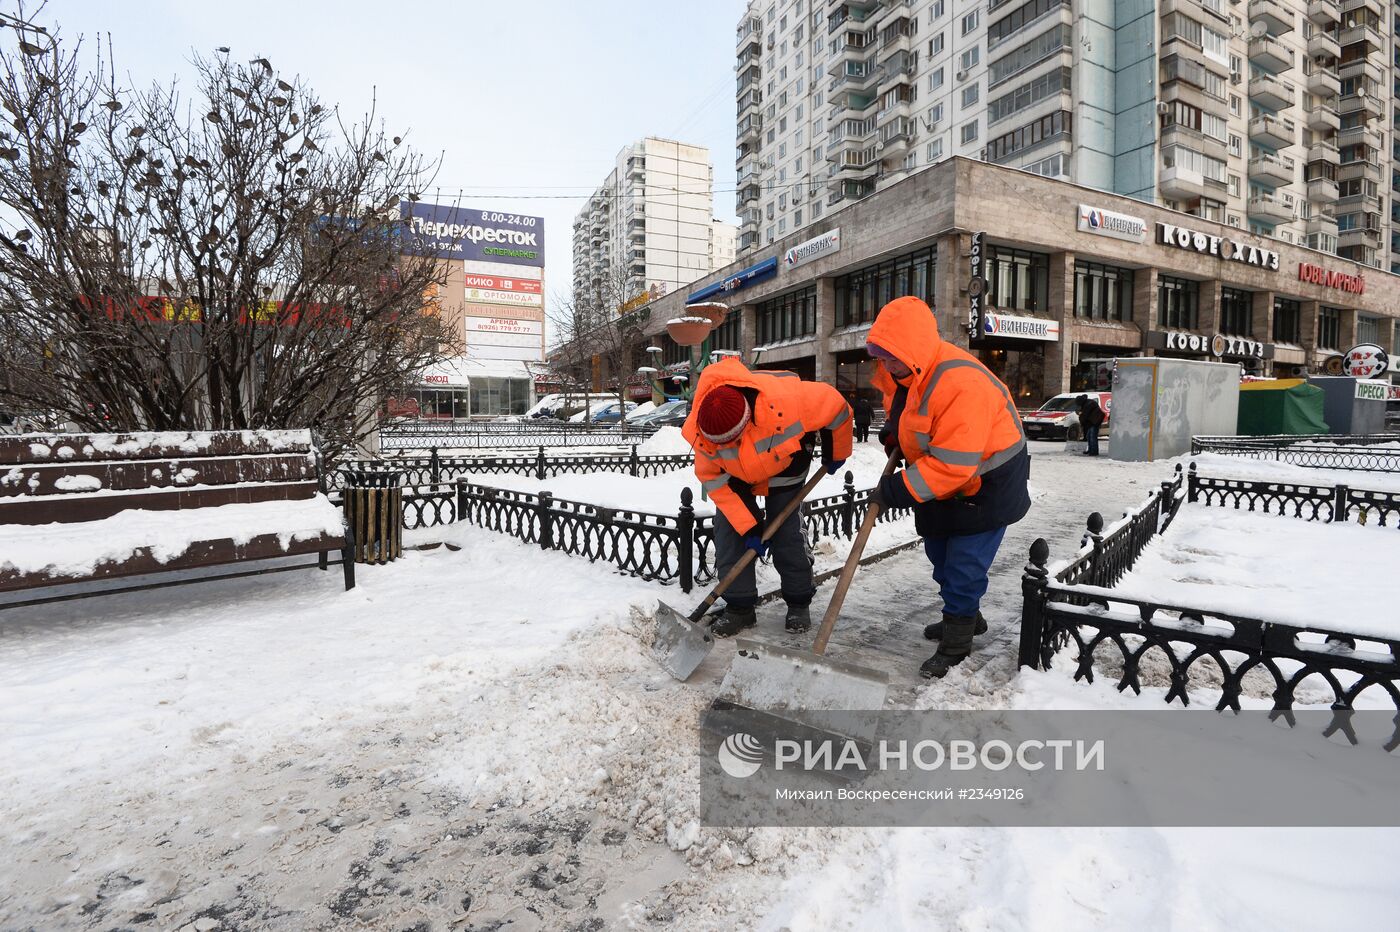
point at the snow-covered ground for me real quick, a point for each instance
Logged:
(477, 739)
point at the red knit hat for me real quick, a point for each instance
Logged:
(723, 413)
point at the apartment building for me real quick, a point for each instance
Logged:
(650, 227)
(1272, 116)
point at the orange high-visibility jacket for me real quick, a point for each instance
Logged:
(786, 410)
(959, 421)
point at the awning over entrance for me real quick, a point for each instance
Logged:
(460, 371)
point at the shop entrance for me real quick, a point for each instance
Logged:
(854, 371)
(1022, 369)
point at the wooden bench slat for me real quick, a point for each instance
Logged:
(76, 509)
(155, 475)
(199, 554)
(88, 448)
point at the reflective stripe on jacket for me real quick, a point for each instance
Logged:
(785, 410)
(959, 421)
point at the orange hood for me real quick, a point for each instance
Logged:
(908, 330)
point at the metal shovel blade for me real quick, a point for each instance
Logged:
(681, 645)
(789, 683)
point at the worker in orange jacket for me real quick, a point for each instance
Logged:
(966, 464)
(754, 434)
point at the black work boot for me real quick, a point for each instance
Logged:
(957, 644)
(733, 621)
(798, 619)
(934, 632)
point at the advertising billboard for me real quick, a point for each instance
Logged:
(446, 232)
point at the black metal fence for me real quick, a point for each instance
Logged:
(1359, 452)
(675, 548)
(1232, 652)
(435, 468)
(480, 435)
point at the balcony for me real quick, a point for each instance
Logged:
(1181, 184)
(853, 164)
(750, 129)
(1324, 82)
(1368, 102)
(1322, 191)
(749, 101)
(1272, 92)
(854, 78)
(1359, 236)
(1275, 15)
(1323, 119)
(1360, 171)
(1374, 6)
(1321, 222)
(1323, 44)
(1272, 131)
(1361, 32)
(897, 137)
(1277, 208)
(1272, 169)
(1270, 54)
(1324, 11)
(1363, 135)
(749, 194)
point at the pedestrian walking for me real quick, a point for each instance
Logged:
(862, 412)
(965, 463)
(754, 434)
(1091, 418)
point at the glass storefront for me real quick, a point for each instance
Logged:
(787, 317)
(854, 370)
(1023, 372)
(1102, 292)
(487, 397)
(1017, 280)
(861, 294)
(1236, 312)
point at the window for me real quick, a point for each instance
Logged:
(1236, 312)
(935, 45)
(935, 151)
(1213, 125)
(1215, 45)
(1017, 279)
(1029, 54)
(861, 294)
(935, 114)
(1288, 316)
(1180, 26)
(1329, 327)
(1028, 95)
(788, 317)
(1019, 18)
(969, 132)
(969, 22)
(935, 10)
(1236, 145)
(1368, 329)
(935, 80)
(1178, 303)
(1214, 85)
(1235, 104)
(970, 94)
(1102, 292)
(1002, 148)
(970, 58)
(1052, 167)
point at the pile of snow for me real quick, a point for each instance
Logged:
(77, 483)
(1272, 567)
(78, 549)
(667, 441)
(151, 444)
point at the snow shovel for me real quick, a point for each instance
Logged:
(789, 684)
(682, 643)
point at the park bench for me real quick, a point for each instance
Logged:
(78, 508)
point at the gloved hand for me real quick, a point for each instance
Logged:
(878, 497)
(833, 465)
(756, 543)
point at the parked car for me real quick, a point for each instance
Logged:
(1048, 421)
(670, 414)
(606, 412)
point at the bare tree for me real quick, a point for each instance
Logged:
(591, 331)
(230, 259)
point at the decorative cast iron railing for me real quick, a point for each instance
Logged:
(477, 435)
(664, 548)
(434, 468)
(1078, 605)
(1358, 452)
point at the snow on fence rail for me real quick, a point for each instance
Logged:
(480, 435)
(434, 468)
(1359, 452)
(1077, 603)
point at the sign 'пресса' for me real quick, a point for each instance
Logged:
(1211, 245)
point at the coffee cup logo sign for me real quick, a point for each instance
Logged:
(1364, 361)
(1211, 245)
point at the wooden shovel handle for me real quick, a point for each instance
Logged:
(872, 512)
(748, 555)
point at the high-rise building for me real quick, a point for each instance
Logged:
(650, 227)
(1273, 116)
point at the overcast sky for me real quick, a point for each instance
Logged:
(533, 97)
